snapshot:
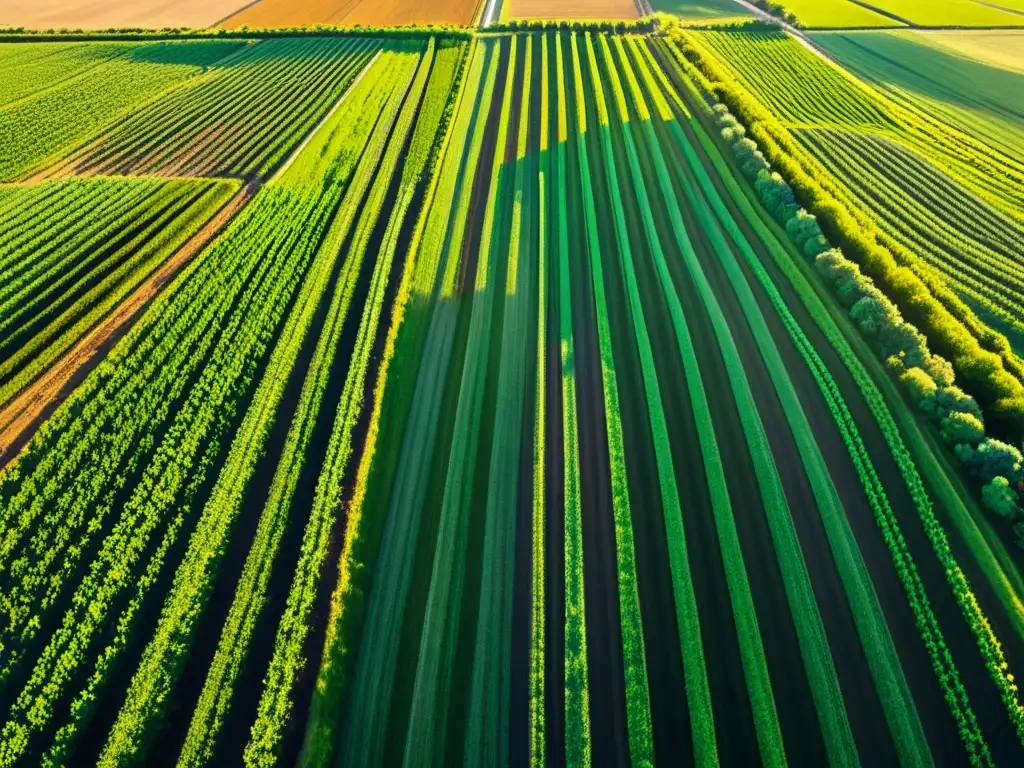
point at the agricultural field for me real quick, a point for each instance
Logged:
(367, 13)
(838, 14)
(979, 99)
(444, 396)
(953, 13)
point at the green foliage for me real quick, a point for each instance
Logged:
(920, 387)
(998, 497)
(643, 24)
(992, 458)
(959, 427)
(951, 330)
(801, 228)
(770, 187)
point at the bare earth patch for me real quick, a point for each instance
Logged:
(278, 13)
(101, 14)
(572, 9)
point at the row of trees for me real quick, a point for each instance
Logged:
(927, 377)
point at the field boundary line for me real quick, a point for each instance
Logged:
(883, 12)
(998, 8)
(316, 128)
(26, 412)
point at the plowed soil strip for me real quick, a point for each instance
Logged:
(20, 419)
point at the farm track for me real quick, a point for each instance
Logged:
(23, 415)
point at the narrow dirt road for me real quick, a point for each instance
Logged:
(22, 416)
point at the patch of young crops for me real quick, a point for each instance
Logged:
(39, 129)
(28, 72)
(241, 118)
(76, 249)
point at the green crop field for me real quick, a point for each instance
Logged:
(952, 13)
(554, 393)
(833, 14)
(977, 98)
(701, 9)
(996, 47)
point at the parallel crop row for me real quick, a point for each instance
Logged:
(110, 234)
(240, 118)
(39, 129)
(86, 552)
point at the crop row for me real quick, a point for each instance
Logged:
(36, 131)
(976, 621)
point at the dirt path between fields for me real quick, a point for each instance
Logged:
(23, 415)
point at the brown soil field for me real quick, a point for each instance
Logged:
(100, 14)
(276, 13)
(571, 9)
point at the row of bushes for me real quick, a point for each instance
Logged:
(643, 24)
(21, 34)
(977, 359)
(928, 377)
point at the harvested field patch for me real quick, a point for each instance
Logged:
(572, 9)
(286, 13)
(92, 14)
